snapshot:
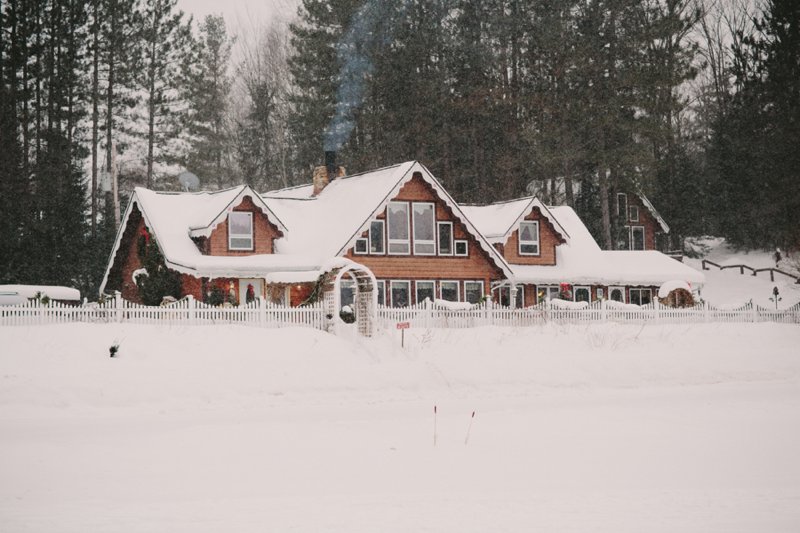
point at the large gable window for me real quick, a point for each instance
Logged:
(240, 230)
(529, 238)
(424, 227)
(397, 214)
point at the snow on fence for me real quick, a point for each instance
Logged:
(429, 315)
(188, 311)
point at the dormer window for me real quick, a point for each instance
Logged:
(240, 230)
(529, 238)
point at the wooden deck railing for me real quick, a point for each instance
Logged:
(772, 271)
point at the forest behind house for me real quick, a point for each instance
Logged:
(695, 103)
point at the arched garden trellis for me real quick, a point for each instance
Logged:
(365, 298)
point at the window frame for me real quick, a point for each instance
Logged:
(600, 293)
(456, 242)
(622, 213)
(458, 289)
(471, 281)
(631, 210)
(575, 290)
(380, 286)
(364, 240)
(383, 237)
(640, 291)
(392, 282)
(434, 228)
(439, 224)
(506, 289)
(546, 289)
(389, 240)
(231, 235)
(644, 235)
(612, 288)
(529, 243)
(416, 289)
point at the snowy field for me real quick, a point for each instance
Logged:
(592, 428)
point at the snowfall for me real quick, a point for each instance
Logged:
(602, 428)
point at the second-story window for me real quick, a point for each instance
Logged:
(376, 237)
(424, 228)
(529, 238)
(397, 215)
(445, 238)
(240, 230)
(622, 205)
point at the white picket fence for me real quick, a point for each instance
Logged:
(186, 311)
(190, 312)
(428, 315)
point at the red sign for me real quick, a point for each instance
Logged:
(403, 325)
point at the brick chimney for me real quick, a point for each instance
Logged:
(323, 175)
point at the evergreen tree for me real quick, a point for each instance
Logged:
(167, 43)
(754, 150)
(209, 91)
(14, 194)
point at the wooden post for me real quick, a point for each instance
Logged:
(118, 305)
(191, 306)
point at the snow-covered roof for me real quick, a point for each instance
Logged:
(582, 261)
(498, 220)
(174, 218)
(329, 223)
(654, 212)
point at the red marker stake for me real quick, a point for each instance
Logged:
(434, 425)
(469, 428)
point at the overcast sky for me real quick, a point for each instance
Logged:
(241, 12)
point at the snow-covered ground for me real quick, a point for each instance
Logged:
(729, 288)
(592, 428)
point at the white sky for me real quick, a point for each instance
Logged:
(239, 13)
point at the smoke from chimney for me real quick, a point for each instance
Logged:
(371, 26)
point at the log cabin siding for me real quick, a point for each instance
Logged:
(549, 238)
(264, 233)
(476, 266)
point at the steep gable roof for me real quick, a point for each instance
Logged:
(654, 212)
(330, 223)
(582, 261)
(174, 218)
(499, 220)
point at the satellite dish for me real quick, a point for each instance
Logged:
(189, 181)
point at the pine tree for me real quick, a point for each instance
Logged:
(209, 90)
(14, 193)
(754, 150)
(166, 42)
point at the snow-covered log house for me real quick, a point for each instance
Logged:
(392, 236)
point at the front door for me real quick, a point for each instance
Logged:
(257, 292)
